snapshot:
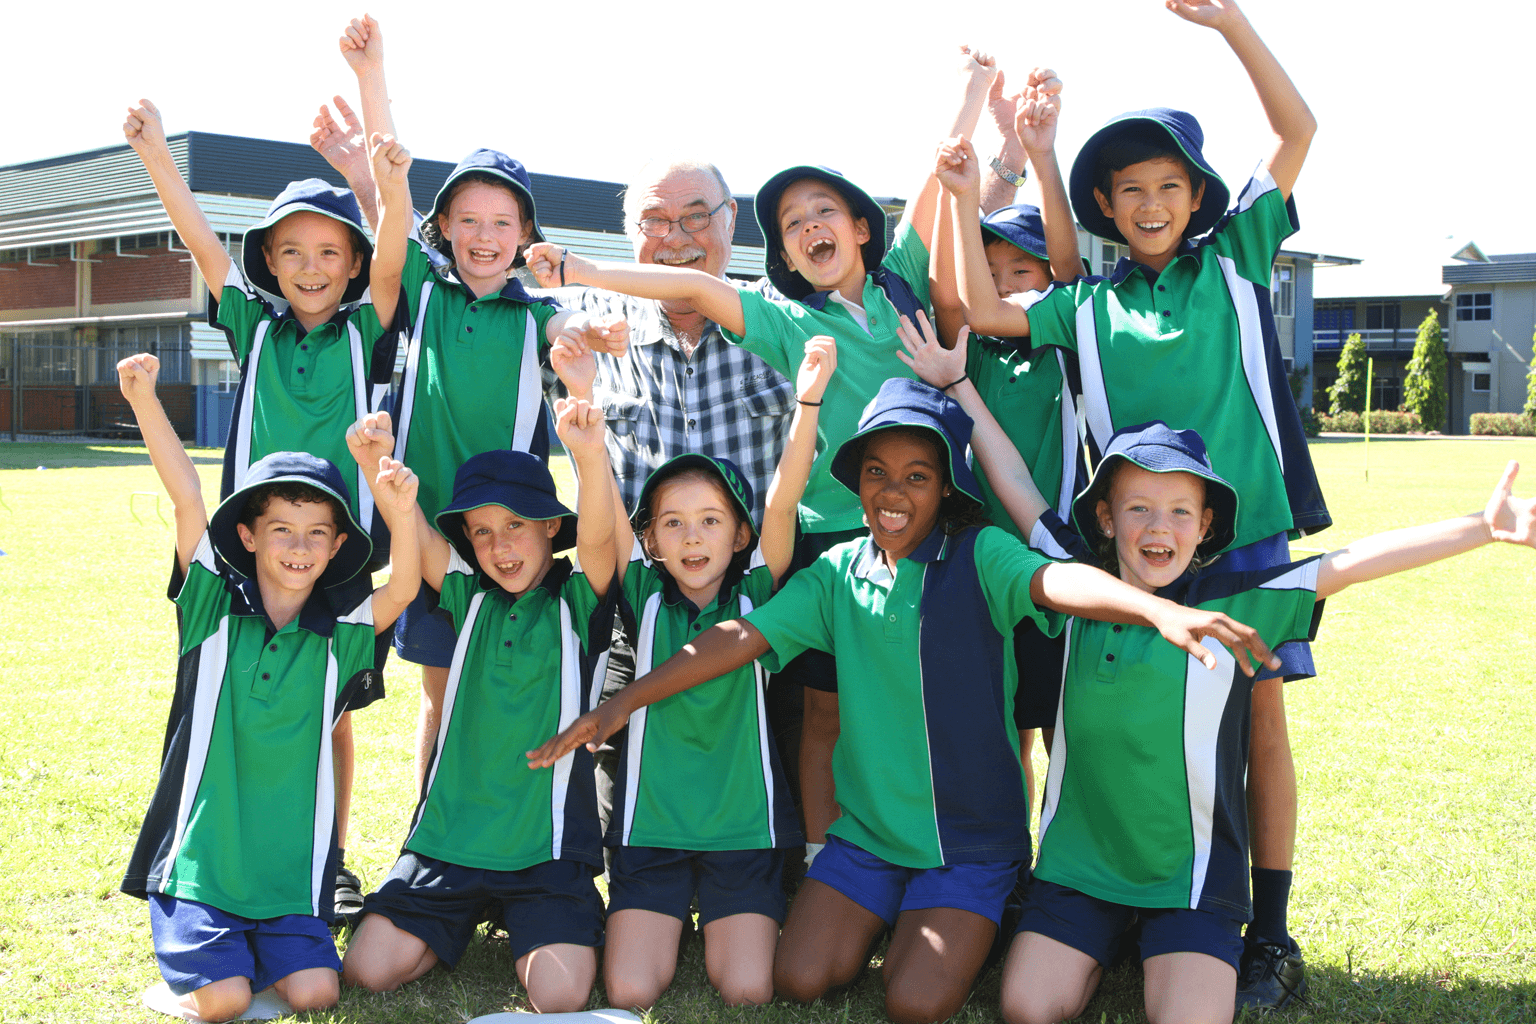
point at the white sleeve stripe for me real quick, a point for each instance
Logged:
(1043, 541)
(1301, 577)
(457, 564)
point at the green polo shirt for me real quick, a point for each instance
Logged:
(777, 332)
(699, 770)
(927, 762)
(1187, 346)
(522, 671)
(299, 392)
(243, 817)
(472, 381)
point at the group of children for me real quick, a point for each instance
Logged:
(967, 539)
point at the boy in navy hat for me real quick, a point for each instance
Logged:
(238, 851)
(1184, 325)
(919, 614)
(533, 631)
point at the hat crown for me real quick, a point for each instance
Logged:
(503, 466)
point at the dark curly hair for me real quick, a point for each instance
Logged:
(958, 511)
(433, 235)
(290, 490)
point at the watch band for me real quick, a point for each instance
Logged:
(1003, 172)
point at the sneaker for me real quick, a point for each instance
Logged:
(349, 898)
(1270, 975)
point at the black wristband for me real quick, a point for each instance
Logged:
(804, 402)
(562, 267)
(952, 383)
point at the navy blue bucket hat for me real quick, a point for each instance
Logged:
(736, 485)
(1158, 448)
(498, 165)
(766, 207)
(315, 196)
(296, 468)
(904, 402)
(1159, 124)
(1020, 226)
(516, 481)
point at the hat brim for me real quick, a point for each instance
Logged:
(846, 467)
(522, 501)
(1085, 204)
(992, 234)
(765, 207)
(253, 256)
(439, 205)
(672, 467)
(224, 533)
(1220, 498)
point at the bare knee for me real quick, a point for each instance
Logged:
(629, 992)
(744, 991)
(559, 995)
(908, 1001)
(226, 999)
(558, 977)
(1039, 1007)
(799, 981)
(312, 989)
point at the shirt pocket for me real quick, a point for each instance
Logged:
(622, 413)
(772, 397)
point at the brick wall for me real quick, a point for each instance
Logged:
(40, 287)
(126, 279)
(56, 407)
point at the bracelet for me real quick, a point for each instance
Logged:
(1016, 180)
(952, 383)
(562, 266)
(804, 402)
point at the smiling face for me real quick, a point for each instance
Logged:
(293, 542)
(674, 195)
(901, 483)
(485, 227)
(1157, 521)
(821, 238)
(694, 532)
(513, 552)
(1015, 271)
(1151, 203)
(314, 259)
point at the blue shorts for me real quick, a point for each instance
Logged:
(197, 945)
(442, 904)
(1096, 927)
(727, 882)
(887, 890)
(1039, 660)
(424, 635)
(1296, 656)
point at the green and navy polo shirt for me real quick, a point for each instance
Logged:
(699, 770)
(927, 761)
(1145, 802)
(472, 381)
(300, 392)
(522, 671)
(1195, 346)
(244, 815)
(777, 331)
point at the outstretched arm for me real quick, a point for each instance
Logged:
(603, 538)
(136, 376)
(955, 166)
(555, 266)
(345, 149)
(1288, 114)
(146, 134)
(717, 651)
(789, 480)
(391, 162)
(1506, 518)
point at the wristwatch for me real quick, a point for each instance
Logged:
(1003, 172)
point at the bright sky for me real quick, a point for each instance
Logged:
(1425, 130)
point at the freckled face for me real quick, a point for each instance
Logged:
(485, 227)
(1157, 521)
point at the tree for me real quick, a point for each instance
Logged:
(1348, 392)
(1530, 385)
(1424, 389)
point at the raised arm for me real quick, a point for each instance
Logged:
(391, 164)
(1289, 116)
(344, 148)
(146, 134)
(977, 69)
(794, 470)
(394, 495)
(362, 46)
(136, 376)
(1505, 518)
(955, 166)
(943, 284)
(717, 651)
(1038, 115)
(372, 442)
(555, 266)
(603, 538)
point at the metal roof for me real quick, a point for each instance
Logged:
(1502, 269)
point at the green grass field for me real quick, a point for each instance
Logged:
(1417, 851)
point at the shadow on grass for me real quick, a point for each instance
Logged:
(29, 455)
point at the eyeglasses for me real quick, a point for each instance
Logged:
(693, 223)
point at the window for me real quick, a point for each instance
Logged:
(227, 375)
(35, 254)
(153, 240)
(168, 341)
(1335, 318)
(1482, 383)
(1283, 290)
(1112, 254)
(1386, 393)
(1382, 316)
(1474, 306)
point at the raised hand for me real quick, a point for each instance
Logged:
(136, 376)
(579, 424)
(572, 360)
(371, 439)
(955, 166)
(362, 45)
(144, 129)
(1003, 107)
(929, 359)
(1509, 519)
(395, 487)
(549, 263)
(1216, 14)
(1038, 111)
(816, 369)
(340, 144)
(1186, 627)
(977, 63)
(390, 161)
(608, 334)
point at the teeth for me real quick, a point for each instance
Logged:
(819, 248)
(1152, 225)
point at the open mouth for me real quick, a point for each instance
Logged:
(297, 566)
(311, 289)
(1151, 226)
(484, 256)
(693, 563)
(1158, 556)
(509, 568)
(892, 521)
(821, 250)
(683, 259)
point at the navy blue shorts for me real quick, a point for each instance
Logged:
(424, 635)
(887, 890)
(442, 903)
(1096, 927)
(1296, 656)
(1039, 658)
(727, 882)
(197, 945)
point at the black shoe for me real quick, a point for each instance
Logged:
(349, 898)
(1270, 975)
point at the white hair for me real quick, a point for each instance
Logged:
(657, 169)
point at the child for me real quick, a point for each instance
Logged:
(531, 630)
(1188, 315)
(934, 822)
(701, 805)
(472, 379)
(237, 854)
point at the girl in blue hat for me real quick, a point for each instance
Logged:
(1145, 816)
(919, 615)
